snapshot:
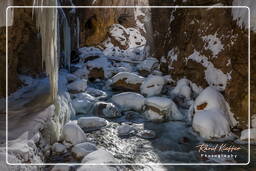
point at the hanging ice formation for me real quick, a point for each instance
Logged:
(47, 23)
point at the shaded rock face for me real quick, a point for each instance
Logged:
(24, 47)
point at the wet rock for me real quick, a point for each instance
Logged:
(60, 168)
(127, 81)
(106, 110)
(125, 130)
(161, 109)
(129, 101)
(59, 148)
(81, 150)
(152, 85)
(77, 86)
(91, 123)
(99, 156)
(83, 103)
(73, 133)
(147, 134)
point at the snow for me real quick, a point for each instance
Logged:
(71, 77)
(213, 43)
(214, 77)
(211, 124)
(83, 105)
(245, 135)
(89, 51)
(73, 133)
(241, 14)
(148, 64)
(101, 63)
(129, 78)
(182, 89)
(152, 85)
(172, 56)
(167, 109)
(138, 13)
(78, 85)
(129, 101)
(214, 100)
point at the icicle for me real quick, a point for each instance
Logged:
(47, 23)
(78, 32)
(3, 5)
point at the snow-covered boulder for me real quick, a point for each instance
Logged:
(210, 98)
(59, 148)
(127, 81)
(106, 110)
(73, 133)
(99, 156)
(71, 77)
(83, 103)
(212, 118)
(211, 124)
(129, 101)
(91, 123)
(161, 109)
(152, 85)
(82, 149)
(147, 66)
(82, 72)
(77, 86)
(182, 89)
(245, 135)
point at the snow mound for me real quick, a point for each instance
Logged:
(152, 85)
(211, 124)
(129, 101)
(161, 109)
(77, 86)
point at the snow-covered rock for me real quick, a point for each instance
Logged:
(210, 98)
(127, 81)
(91, 123)
(129, 101)
(161, 109)
(82, 72)
(182, 89)
(211, 124)
(148, 65)
(98, 94)
(71, 77)
(124, 130)
(99, 156)
(106, 110)
(77, 86)
(86, 52)
(83, 103)
(82, 149)
(245, 135)
(152, 85)
(73, 133)
(59, 148)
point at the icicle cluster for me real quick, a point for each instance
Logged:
(47, 23)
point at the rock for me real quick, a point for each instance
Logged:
(96, 93)
(73, 133)
(71, 77)
(61, 168)
(99, 156)
(82, 73)
(59, 148)
(146, 134)
(124, 130)
(81, 150)
(147, 66)
(91, 123)
(129, 101)
(161, 109)
(106, 110)
(152, 85)
(127, 81)
(77, 86)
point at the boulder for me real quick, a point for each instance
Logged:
(106, 110)
(60, 168)
(125, 130)
(82, 149)
(146, 134)
(91, 123)
(129, 101)
(161, 109)
(59, 148)
(99, 156)
(83, 103)
(77, 86)
(127, 81)
(152, 85)
(147, 66)
(73, 133)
